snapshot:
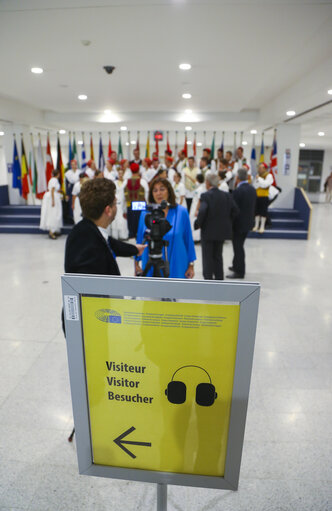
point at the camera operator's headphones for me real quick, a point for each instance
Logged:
(205, 392)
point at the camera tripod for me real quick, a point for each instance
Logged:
(159, 265)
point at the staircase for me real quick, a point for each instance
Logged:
(291, 224)
(23, 220)
(285, 224)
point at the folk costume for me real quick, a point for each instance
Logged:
(262, 184)
(51, 216)
(135, 190)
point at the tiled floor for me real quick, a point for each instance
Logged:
(287, 458)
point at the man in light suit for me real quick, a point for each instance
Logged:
(216, 213)
(245, 197)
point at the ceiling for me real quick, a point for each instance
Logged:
(251, 62)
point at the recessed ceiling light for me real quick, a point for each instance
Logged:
(62, 132)
(302, 144)
(199, 144)
(37, 70)
(80, 142)
(133, 142)
(188, 111)
(2, 133)
(82, 97)
(127, 143)
(107, 112)
(185, 67)
(290, 113)
(253, 132)
(186, 95)
(329, 91)
(321, 133)
(188, 128)
(244, 142)
(123, 128)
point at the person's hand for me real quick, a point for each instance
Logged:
(138, 269)
(190, 273)
(140, 249)
(53, 204)
(125, 215)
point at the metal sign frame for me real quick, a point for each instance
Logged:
(245, 294)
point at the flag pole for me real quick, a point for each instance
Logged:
(21, 134)
(138, 144)
(34, 163)
(128, 145)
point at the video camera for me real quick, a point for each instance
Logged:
(157, 226)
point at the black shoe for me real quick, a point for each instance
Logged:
(231, 268)
(234, 275)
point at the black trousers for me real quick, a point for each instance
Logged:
(239, 255)
(212, 260)
(188, 201)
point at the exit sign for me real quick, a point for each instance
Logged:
(158, 135)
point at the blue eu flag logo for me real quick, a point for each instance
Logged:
(108, 316)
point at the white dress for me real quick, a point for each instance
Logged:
(77, 206)
(197, 195)
(51, 216)
(119, 227)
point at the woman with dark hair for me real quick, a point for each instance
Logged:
(181, 249)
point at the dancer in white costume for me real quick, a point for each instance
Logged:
(51, 209)
(119, 228)
(76, 206)
(200, 188)
(179, 189)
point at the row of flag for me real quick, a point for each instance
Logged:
(31, 174)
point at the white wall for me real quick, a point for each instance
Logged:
(288, 137)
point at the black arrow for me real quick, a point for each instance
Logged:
(120, 442)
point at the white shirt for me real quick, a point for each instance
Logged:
(223, 186)
(104, 233)
(179, 191)
(90, 173)
(170, 174)
(110, 174)
(149, 174)
(261, 182)
(73, 176)
(213, 167)
(181, 164)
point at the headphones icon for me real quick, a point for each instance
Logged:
(205, 392)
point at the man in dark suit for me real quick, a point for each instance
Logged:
(245, 197)
(215, 216)
(89, 248)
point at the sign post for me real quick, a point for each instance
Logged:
(160, 373)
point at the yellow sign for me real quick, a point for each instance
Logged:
(160, 378)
